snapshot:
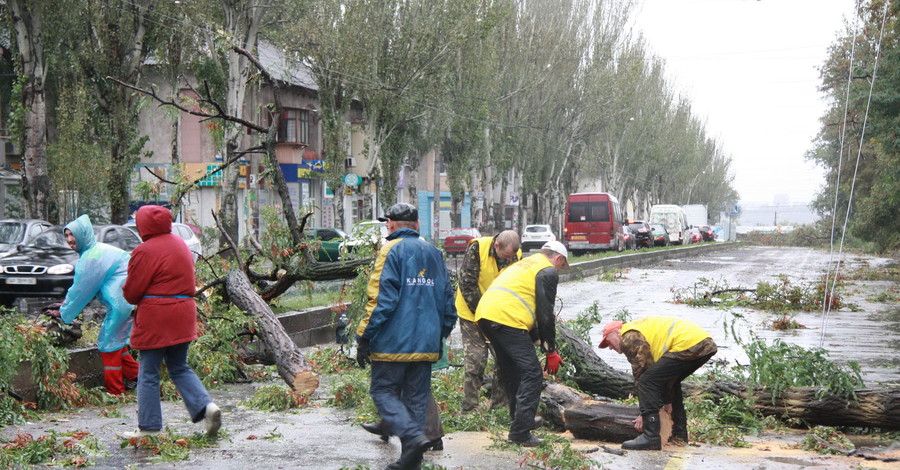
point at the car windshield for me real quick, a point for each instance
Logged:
(11, 232)
(370, 228)
(463, 232)
(49, 239)
(536, 228)
(635, 226)
(657, 228)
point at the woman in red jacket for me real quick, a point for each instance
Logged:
(161, 284)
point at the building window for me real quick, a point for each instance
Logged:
(294, 126)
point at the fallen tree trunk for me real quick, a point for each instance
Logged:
(592, 374)
(586, 417)
(291, 364)
(873, 408)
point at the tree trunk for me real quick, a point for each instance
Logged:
(592, 374)
(874, 408)
(292, 366)
(587, 418)
(28, 24)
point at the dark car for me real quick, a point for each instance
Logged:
(707, 232)
(458, 239)
(45, 266)
(18, 231)
(659, 234)
(641, 232)
(326, 242)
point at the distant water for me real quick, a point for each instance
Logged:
(781, 214)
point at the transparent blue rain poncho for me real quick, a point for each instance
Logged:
(100, 272)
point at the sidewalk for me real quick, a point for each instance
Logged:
(322, 438)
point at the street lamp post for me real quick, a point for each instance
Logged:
(691, 188)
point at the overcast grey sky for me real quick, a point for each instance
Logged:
(750, 68)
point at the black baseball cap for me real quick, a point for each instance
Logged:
(401, 212)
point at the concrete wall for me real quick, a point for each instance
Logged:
(307, 328)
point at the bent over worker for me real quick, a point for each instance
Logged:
(485, 259)
(100, 272)
(662, 351)
(518, 301)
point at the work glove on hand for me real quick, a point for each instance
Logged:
(553, 362)
(362, 352)
(52, 313)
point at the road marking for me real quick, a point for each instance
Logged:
(675, 463)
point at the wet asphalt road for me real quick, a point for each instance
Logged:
(868, 336)
(325, 438)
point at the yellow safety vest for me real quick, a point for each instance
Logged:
(486, 276)
(667, 334)
(510, 300)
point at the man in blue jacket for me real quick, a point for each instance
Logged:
(409, 312)
(100, 272)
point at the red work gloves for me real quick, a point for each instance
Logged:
(553, 362)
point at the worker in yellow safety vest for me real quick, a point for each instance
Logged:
(517, 305)
(662, 351)
(485, 259)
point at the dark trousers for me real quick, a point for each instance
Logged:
(400, 391)
(520, 374)
(661, 384)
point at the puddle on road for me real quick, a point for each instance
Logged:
(866, 336)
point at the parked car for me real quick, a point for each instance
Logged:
(326, 242)
(187, 232)
(117, 235)
(642, 233)
(368, 233)
(534, 236)
(628, 242)
(45, 265)
(707, 232)
(692, 235)
(458, 239)
(18, 231)
(659, 234)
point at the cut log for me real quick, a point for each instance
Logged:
(587, 418)
(874, 408)
(292, 366)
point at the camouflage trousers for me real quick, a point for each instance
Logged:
(475, 350)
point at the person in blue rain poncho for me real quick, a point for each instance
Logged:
(100, 272)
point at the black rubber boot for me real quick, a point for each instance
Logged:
(649, 440)
(679, 427)
(411, 456)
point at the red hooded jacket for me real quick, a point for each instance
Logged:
(161, 284)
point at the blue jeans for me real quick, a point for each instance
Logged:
(192, 391)
(400, 391)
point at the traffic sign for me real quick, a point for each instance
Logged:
(352, 179)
